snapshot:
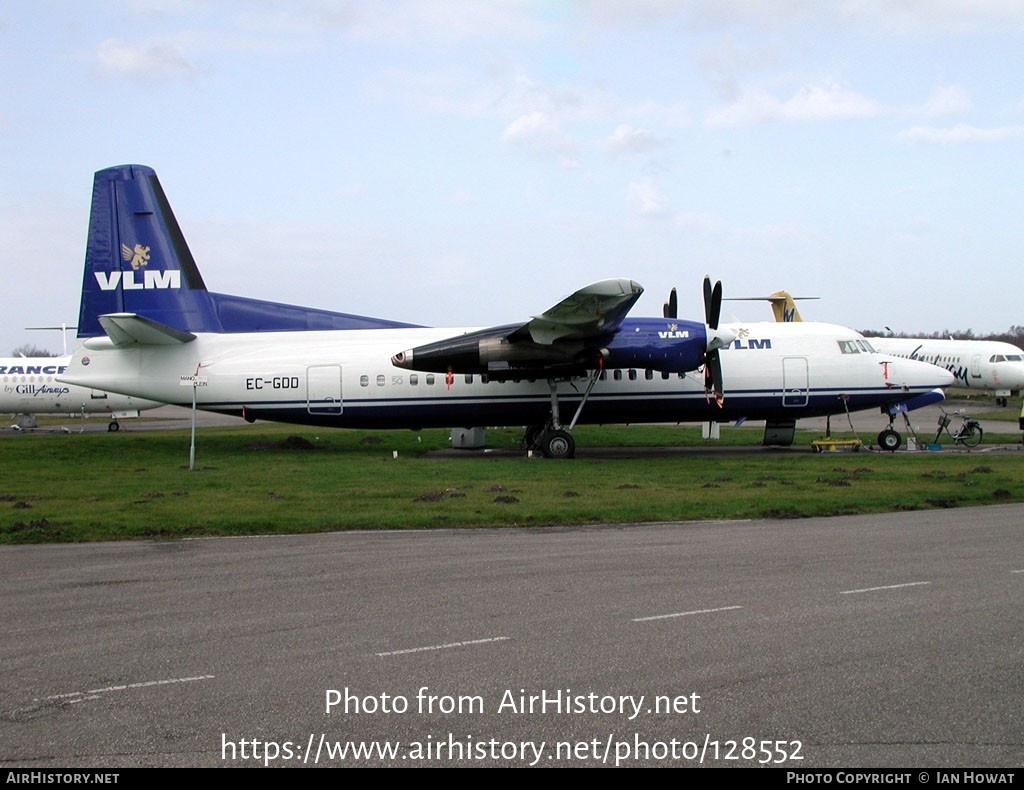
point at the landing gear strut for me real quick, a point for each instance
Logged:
(552, 439)
(889, 439)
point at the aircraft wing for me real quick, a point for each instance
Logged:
(593, 311)
(563, 336)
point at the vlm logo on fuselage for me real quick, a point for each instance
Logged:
(131, 281)
(752, 343)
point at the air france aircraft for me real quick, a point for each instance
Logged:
(148, 327)
(989, 365)
(29, 386)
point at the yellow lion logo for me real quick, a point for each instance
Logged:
(138, 256)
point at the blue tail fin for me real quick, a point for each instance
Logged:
(137, 261)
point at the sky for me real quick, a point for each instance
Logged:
(469, 163)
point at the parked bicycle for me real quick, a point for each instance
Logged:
(969, 433)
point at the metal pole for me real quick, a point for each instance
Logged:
(192, 447)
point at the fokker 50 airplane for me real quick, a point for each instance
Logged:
(29, 386)
(148, 325)
(986, 364)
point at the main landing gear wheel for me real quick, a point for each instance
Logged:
(889, 440)
(558, 444)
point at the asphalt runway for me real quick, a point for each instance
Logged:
(865, 641)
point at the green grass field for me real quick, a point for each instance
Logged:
(263, 479)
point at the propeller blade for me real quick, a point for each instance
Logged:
(671, 308)
(716, 305)
(712, 302)
(713, 378)
(713, 381)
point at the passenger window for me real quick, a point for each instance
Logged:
(364, 381)
(414, 379)
(380, 379)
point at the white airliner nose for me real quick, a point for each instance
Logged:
(910, 374)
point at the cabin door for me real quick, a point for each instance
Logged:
(795, 384)
(323, 389)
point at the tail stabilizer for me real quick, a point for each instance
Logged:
(137, 262)
(783, 305)
(126, 329)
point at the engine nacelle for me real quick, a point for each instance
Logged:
(660, 344)
(668, 345)
(491, 351)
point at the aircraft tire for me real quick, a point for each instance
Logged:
(532, 436)
(889, 440)
(558, 444)
(114, 427)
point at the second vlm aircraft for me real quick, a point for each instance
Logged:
(148, 325)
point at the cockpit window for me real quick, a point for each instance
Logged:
(866, 347)
(849, 347)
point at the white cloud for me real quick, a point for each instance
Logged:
(945, 101)
(152, 60)
(428, 23)
(811, 103)
(537, 134)
(947, 16)
(959, 134)
(647, 200)
(628, 139)
(912, 17)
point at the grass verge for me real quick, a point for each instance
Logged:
(265, 479)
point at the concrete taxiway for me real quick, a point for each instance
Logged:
(883, 641)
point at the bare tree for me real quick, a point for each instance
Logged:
(29, 350)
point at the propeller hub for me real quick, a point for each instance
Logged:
(720, 338)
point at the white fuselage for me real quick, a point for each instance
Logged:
(346, 378)
(30, 385)
(985, 364)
